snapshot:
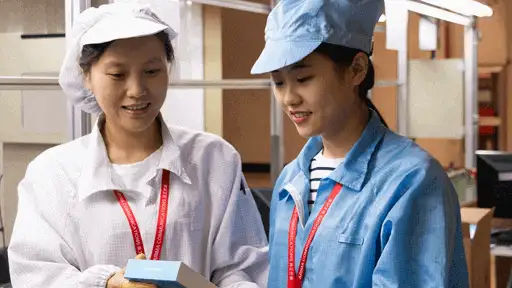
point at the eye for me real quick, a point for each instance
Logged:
(277, 83)
(152, 72)
(116, 75)
(305, 79)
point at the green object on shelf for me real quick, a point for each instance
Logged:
(464, 185)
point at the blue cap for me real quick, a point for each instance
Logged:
(295, 28)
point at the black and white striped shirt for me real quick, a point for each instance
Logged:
(320, 168)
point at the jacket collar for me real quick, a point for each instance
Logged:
(97, 173)
(353, 171)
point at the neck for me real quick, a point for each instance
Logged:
(125, 147)
(338, 144)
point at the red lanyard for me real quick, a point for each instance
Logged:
(295, 280)
(161, 222)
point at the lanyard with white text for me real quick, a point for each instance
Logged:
(161, 222)
(295, 280)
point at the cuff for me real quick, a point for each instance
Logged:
(97, 276)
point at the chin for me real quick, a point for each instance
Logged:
(306, 132)
(138, 125)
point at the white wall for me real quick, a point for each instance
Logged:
(18, 144)
(32, 16)
(33, 56)
(17, 57)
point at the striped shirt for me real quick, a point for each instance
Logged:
(320, 168)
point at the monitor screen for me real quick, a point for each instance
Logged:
(494, 182)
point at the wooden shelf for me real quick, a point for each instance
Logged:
(489, 121)
(485, 72)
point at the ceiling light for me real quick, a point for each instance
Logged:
(437, 13)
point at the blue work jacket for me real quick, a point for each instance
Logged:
(395, 223)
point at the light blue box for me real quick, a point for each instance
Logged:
(165, 274)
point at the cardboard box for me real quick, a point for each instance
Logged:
(165, 274)
(476, 228)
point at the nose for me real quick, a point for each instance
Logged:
(290, 96)
(137, 87)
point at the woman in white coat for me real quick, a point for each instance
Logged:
(134, 185)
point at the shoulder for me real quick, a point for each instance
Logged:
(412, 182)
(404, 162)
(50, 178)
(60, 157)
(198, 145)
(398, 150)
(210, 160)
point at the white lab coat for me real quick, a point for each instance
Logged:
(70, 230)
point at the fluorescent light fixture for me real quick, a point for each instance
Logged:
(480, 9)
(244, 5)
(382, 18)
(464, 7)
(438, 13)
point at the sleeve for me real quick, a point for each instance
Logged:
(240, 246)
(39, 253)
(421, 237)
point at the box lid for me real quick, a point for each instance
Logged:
(473, 215)
(138, 270)
(165, 274)
(476, 223)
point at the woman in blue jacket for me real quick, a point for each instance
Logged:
(360, 206)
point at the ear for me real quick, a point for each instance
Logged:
(359, 68)
(87, 80)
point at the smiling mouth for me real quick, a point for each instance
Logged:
(299, 117)
(137, 107)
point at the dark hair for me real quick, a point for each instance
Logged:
(92, 52)
(343, 56)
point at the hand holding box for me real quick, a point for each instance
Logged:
(165, 274)
(119, 281)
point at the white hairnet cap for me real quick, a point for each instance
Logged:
(99, 25)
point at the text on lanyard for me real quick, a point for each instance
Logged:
(161, 222)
